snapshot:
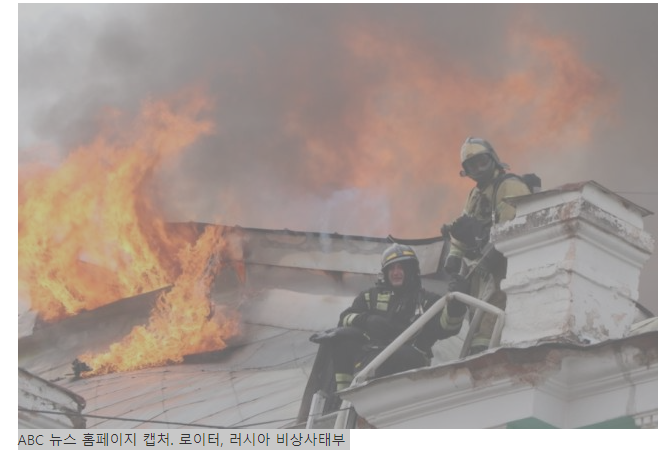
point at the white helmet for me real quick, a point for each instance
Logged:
(472, 148)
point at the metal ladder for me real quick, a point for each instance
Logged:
(318, 420)
(346, 416)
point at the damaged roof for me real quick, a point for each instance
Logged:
(296, 284)
(45, 404)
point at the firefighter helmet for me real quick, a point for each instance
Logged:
(474, 166)
(405, 255)
(398, 253)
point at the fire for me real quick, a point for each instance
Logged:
(182, 322)
(88, 230)
(90, 233)
(533, 99)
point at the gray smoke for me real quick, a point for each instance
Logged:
(291, 96)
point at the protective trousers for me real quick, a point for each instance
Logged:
(350, 355)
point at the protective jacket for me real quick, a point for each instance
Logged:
(401, 309)
(488, 206)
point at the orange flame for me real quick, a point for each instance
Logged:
(88, 230)
(90, 233)
(182, 322)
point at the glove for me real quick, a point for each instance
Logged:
(444, 230)
(456, 308)
(466, 229)
(380, 329)
(459, 284)
(452, 264)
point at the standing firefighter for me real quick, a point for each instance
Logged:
(470, 233)
(378, 315)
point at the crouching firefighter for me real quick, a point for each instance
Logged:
(378, 315)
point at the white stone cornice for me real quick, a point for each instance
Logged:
(561, 385)
(560, 222)
(647, 420)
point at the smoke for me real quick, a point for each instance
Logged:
(346, 118)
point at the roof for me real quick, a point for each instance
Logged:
(44, 404)
(296, 284)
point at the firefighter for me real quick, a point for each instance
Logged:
(470, 233)
(383, 312)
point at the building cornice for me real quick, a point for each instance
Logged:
(563, 385)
